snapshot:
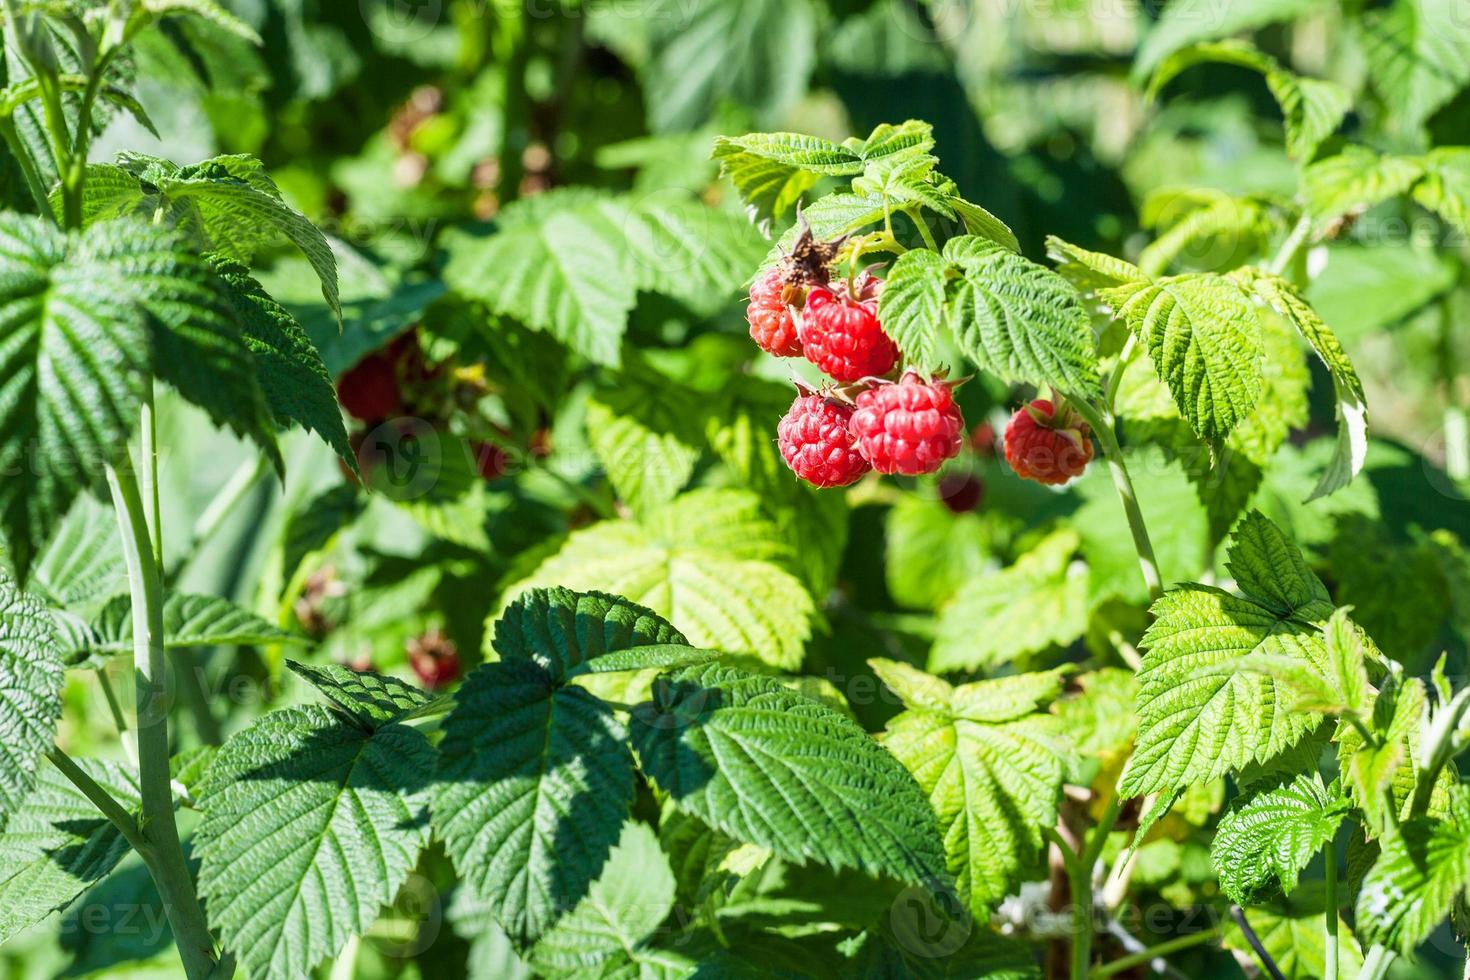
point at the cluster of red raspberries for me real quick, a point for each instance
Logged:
(867, 420)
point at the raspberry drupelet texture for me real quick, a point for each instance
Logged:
(1047, 446)
(909, 427)
(842, 336)
(772, 325)
(817, 443)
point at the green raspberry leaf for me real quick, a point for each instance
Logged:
(56, 844)
(1200, 716)
(1018, 320)
(1204, 338)
(1420, 874)
(368, 698)
(535, 781)
(986, 757)
(311, 824)
(188, 621)
(31, 678)
(1267, 840)
(612, 931)
(711, 562)
(766, 765)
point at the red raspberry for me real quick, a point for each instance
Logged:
(434, 659)
(772, 326)
(842, 336)
(817, 444)
(908, 427)
(491, 460)
(1047, 446)
(961, 492)
(369, 389)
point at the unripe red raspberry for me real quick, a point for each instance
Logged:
(817, 443)
(772, 326)
(1047, 445)
(908, 427)
(369, 389)
(842, 336)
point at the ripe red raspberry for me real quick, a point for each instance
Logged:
(369, 389)
(817, 444)
(772, 326)
(1046, 445)
(491, 460)
(908, 427)
(842, 336)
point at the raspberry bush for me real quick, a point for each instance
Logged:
(462, 515)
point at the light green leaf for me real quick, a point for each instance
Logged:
(1204, 338)
(1351, 402)
(1314, 108)
(1018, 320)
(189, 621)
(611, 932)
(768, 766)
(292, 376)
(911, 306)
(991, 771)
(1187, 22)
(979, 221)
(997, 617)
(1199, 720)
(1382, 778)
(368, 698)
(571, 262)
(1420, 874)
(1090, 271)
(1445, 188)
(755, 53)
(647, 432)
(772, 170)
(310, 826)
(206, 9)
(710, 562)
(1354, 180)
(31, 677)
(1233, 222)
(916, 689)
(1418, 54)
(57, 844)
(81, 314)
(1267, 840)
(933, 552)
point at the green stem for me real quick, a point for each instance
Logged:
(149, 489)
(1079, 865)
(1376, 963)
(160, 833)
(923, 226)
(1115, 380)
(105, 801)
(1290, 248)
(1146, 956)
(1102, 427)
(513, 49)
(1329, 855)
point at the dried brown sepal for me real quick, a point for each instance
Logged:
(810, 260)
